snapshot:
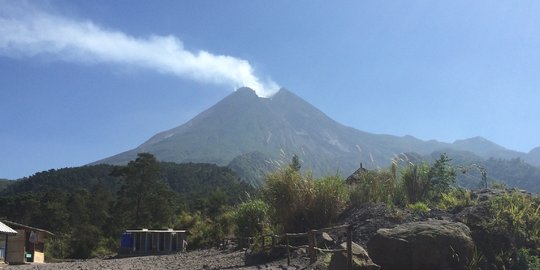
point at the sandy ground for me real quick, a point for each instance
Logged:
(201, 259)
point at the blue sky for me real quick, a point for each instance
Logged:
(83, 80)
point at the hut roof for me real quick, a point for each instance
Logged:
(6, 230)
(18, 225)
(156, 231)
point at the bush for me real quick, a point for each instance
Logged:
(526, 261)
(329, 199)
(519, 214)
(199, 228)
(422, 182)
(419, 207)
(225, 225)
(299, 202)
(415, 182)
(441, 177)
(251, 218)
(288, 193)
(105, 247)
(516, 226)
(373, 186)
(455, 200)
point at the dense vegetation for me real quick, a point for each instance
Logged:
(506, 235)
(87, 207)
(513, 172)
(4, 183)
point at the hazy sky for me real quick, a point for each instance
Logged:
(83, 80)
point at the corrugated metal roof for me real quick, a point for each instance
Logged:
(18, 225)
(7, 230)
(156, 231)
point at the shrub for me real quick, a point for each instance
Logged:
(516, 218)
(199, 228)
(329, 199)
(519, 214)
(455, 200)
(223, 226)
(422, 182)
(105, 247)
(251, 218)
(419, 207)
(475, 262)
(288, 193)
(299, 202)
(526, 261)
(415, 182)
(441, 177)
(373, 186)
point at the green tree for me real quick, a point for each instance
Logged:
(144, 200)
(295, 163)
(424, 182)
(441, 177)
(251, 217)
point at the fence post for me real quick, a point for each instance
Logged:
(349, 247)
(311, 249)
(288, 250)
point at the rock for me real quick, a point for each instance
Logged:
(424, 245)
(326, 237)
(361, 260)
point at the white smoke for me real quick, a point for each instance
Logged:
(27, 31)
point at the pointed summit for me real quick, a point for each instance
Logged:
(244, 126)
(283, 91)
(254, 135)
(245, 91)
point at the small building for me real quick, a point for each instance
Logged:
(27, 246)
(145, 241)
(5, 232)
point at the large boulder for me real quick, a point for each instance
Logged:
(361, 260)
(424, 245)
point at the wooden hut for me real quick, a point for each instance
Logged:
(5, 232)
(145, 241)
(27, 246)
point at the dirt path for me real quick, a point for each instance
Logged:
(201, 259)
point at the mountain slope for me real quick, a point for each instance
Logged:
(276, 128)
(533, 157)
(268, 131)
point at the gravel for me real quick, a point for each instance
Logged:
(200, 259)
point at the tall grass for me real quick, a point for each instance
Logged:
(373, 186)
(300, 202)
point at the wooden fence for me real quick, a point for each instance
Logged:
(312, 247)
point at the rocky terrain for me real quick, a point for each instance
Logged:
(395, 238)
(200, 259)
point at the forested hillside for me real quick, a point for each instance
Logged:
(507, 172)
(4, 183)
(87, 207)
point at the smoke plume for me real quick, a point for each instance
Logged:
(27, 31)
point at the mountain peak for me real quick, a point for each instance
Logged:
(535, 151)
(241, 95)
(245, 91)
(283, 92)
(277, 127)
(478, 140)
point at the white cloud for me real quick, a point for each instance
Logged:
(26, 31)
